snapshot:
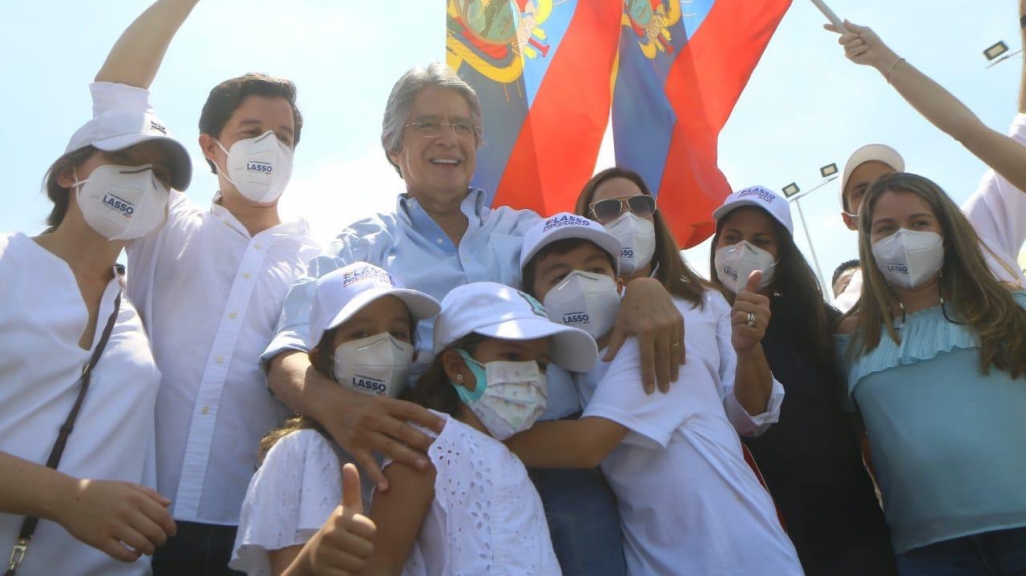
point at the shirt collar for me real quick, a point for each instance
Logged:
(299, 227)
(410, 210)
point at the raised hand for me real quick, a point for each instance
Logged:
(750, 315)
(345, 541)
(122, 519)
(863, 46)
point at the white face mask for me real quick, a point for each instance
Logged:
(378, 364)
(908, 258)
(584, 300)
(637, 235)
(509, 396)
(735, 263)
(122, 202)
(259, 168)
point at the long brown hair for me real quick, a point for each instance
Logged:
(672, 270)
(798, 306)
(970, 290)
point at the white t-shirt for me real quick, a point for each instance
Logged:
(997, 210)
(689, 503)
(42, 317)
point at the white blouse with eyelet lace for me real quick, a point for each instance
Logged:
(487, 517)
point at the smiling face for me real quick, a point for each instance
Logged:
(437, 169)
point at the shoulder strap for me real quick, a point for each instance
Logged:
(28, 527)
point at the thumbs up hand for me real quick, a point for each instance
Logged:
(750, 315)
(345, 541)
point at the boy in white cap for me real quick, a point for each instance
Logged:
(362, 328)
(210, 287)
(478, 513)
(689, 503)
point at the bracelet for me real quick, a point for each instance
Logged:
(887, 75)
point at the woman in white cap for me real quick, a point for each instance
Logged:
(935, 356)
(74, 357)
(362, 327)
(810, 458)
(478, 513)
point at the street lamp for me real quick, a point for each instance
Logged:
(998, 53)
(791, 192)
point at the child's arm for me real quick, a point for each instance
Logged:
(137, 55)
(343, 545)
(399, 513)
(580, 443)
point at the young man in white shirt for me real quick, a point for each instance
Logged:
(209, 287)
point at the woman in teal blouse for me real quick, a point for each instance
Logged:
(935, 353)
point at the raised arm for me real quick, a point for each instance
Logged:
(137, 55)
(940, 107)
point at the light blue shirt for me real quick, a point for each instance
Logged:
(946, 439)
(412, 247)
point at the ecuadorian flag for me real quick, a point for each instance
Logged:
(541, 69)
(682, 67)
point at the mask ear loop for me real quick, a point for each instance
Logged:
(224, 173)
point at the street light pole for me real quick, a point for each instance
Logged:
(808, 237)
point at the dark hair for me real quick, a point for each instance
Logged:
(672, 270)
(227, 96)
(434, 390)
(57, 193)
(977, 298)
(799, 308)
(844, 267)
(560, 247)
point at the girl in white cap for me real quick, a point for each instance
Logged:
(74, 357)
(362, 331)
(478, 513)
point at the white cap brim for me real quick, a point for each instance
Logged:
(421, 307)
(180, 162)
(871, 153)
(572, 348)
(599, 236)
(728, 208)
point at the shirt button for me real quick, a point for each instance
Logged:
(257, 246)
(440, 240)
(205, 410)
(233, 315)
(219, 359)
(245, 275)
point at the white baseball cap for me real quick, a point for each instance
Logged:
(115, 130)
(871, 153)
(498, 311)
(342, 293)
(566, 225)
(774, 204)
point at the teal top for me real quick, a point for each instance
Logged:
(947, 440)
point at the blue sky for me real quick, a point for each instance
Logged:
(806, 106)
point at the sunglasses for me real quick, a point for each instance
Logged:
(642, 205)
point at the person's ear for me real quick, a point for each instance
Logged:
(850, 222)
(457, 371)
(209, 147)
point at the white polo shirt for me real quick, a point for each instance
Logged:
(210, 295)
(42, 318)
(689, 503)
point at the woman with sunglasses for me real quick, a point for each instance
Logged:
(620, 200)
(810, 459)
(78, 382)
